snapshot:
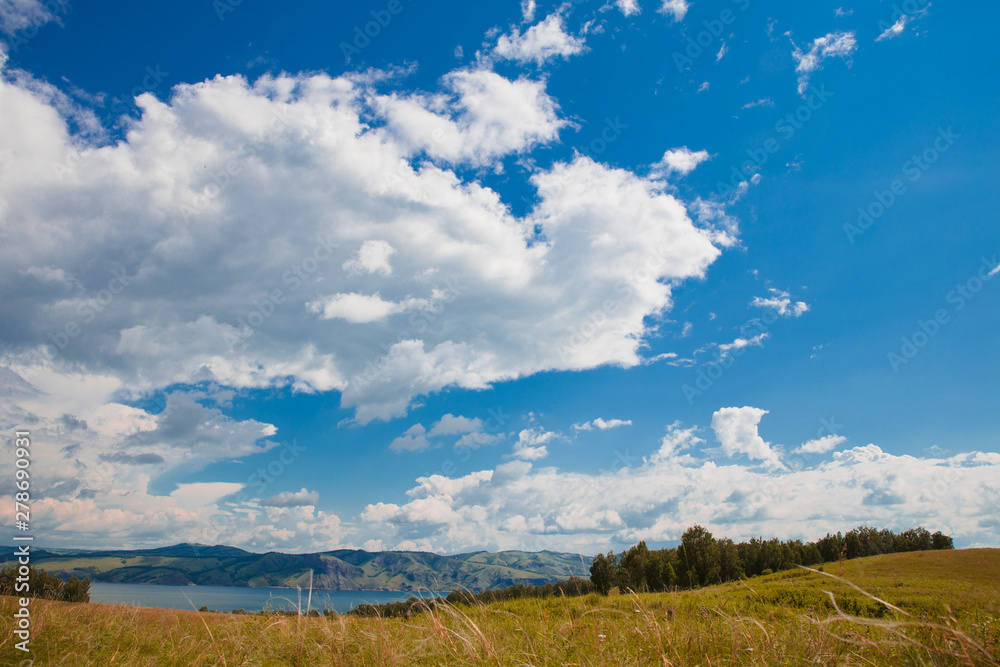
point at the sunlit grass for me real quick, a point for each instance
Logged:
(948, 614)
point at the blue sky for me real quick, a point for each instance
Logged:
(403, 275)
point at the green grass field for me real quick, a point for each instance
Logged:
(948, 613)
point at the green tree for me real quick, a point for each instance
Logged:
(668, 576)
(654, 571)
(634, 568)
(854, 547)
(730, 566)
(76, 590)
(811, 555)
(941, 541)
(700, 552)
(830, 546)
(42, 584)
(602, 574)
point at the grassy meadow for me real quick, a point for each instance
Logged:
(945, 610)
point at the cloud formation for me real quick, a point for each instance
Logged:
(821, 445)
(628, 7)
(655, 498)
(836, 44)
(542, 42)
(380, 261)
(530, 445)
(677, 9)
(736, 430)
(17, 15)
(101, 468)
(602, 424)
(681, 161)
(781, 303)
(292, 499)
(651, 492)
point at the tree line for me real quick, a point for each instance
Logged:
(701, 559)
(41, 584)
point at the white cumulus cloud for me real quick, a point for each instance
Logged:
(681, 161)
(372, 257)
(657, 497)
(540, 43)
(530, 445)
(736, 430)
(356, 308)
(340, 255)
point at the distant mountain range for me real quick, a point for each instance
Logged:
(344, 569)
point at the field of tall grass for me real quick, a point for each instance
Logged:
(922, 608)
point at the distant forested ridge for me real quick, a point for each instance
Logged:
(702, 560)
(343, 569)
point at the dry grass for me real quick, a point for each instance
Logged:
(944, 610)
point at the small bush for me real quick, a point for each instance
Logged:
(43, 585)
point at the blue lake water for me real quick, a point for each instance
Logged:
(228, 598)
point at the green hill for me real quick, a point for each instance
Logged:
(335, 570)
(945, 611)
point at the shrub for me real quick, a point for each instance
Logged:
(42, 584)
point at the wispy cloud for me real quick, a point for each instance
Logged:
(739, 343)
(602, 424)
(781, 303)
(832, 45)
(299, 498)
(899, 26)
(675, 8)
(821, 445)
(413, 440)
(628, 7)
(20, 14)
(895, 29)
(762, 102)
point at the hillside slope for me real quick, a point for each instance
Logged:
(949, 614)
